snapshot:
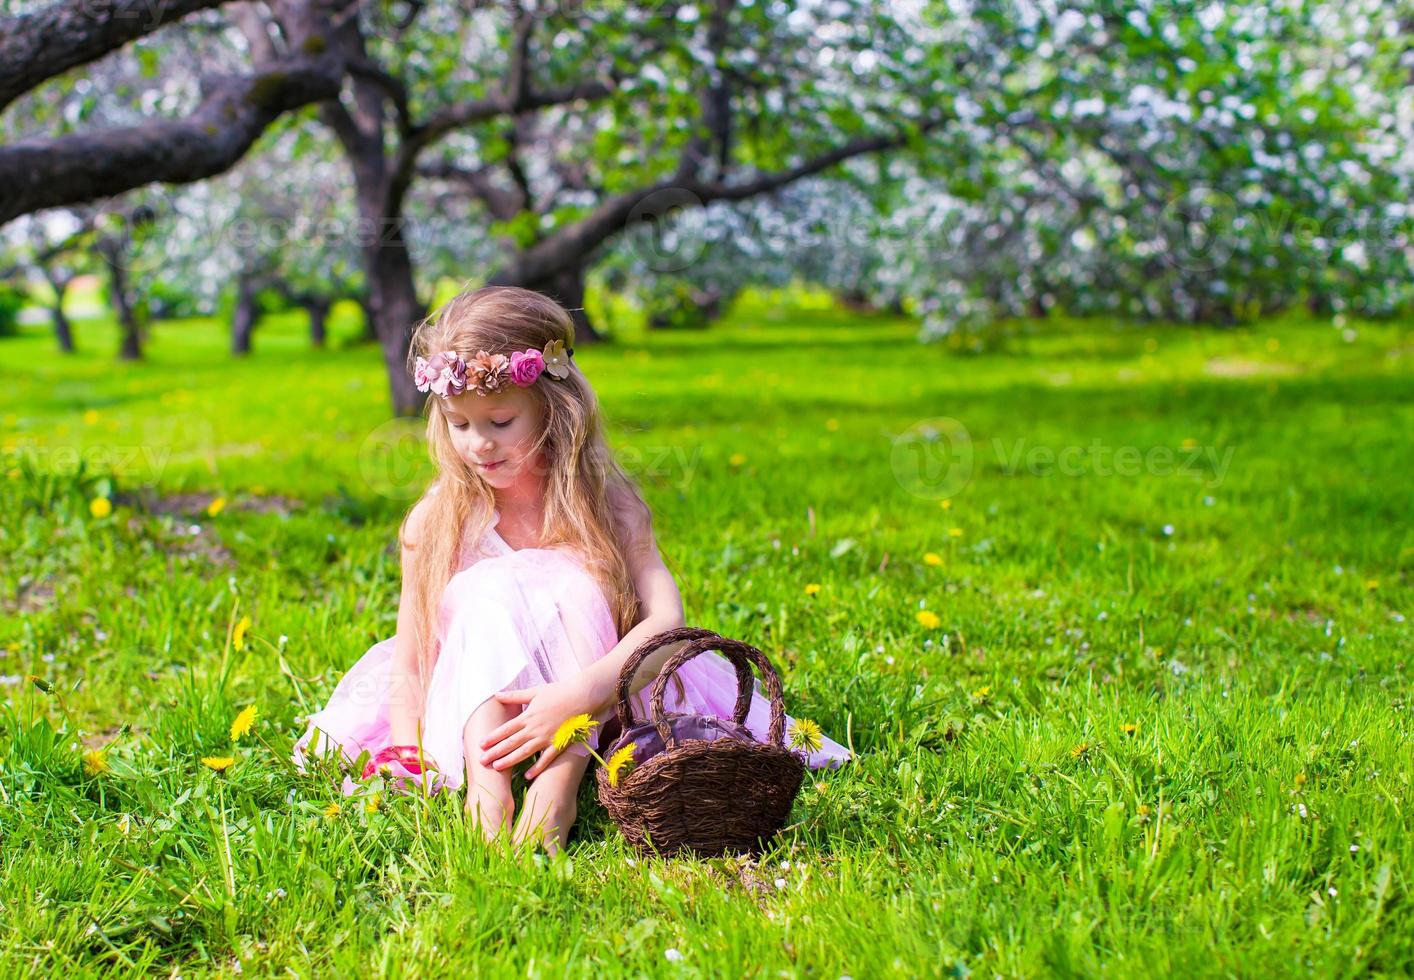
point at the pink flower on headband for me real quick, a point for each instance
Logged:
(526, 366)
(423, 374)
(444, 374)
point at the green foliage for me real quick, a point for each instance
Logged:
(169, 299)
(12, 300)
(671, 303)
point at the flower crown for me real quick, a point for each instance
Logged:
(448, 374)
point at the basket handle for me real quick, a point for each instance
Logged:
(648, 646)
(742, 655)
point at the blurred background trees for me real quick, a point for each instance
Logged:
(974, 165)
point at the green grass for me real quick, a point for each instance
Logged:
(1248, 617)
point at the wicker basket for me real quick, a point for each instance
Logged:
(701, 783)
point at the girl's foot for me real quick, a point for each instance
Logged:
(545, 820)
(489, 803)
(489, 809)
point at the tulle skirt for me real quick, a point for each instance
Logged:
(508, 622)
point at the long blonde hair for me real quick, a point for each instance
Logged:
(582, 481)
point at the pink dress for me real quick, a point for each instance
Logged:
(510, 619)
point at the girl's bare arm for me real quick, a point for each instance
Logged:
(406, 698)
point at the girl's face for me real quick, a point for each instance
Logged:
(494, 434)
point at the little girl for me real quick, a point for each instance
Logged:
(530, 573)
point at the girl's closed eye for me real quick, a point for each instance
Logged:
(460, 426)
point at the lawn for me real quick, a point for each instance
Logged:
(1125, 669)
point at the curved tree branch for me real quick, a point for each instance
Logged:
(37, 174)
(36, 47)
(567, 247)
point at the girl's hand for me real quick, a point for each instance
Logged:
(546, 708)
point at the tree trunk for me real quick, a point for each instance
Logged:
(394, 310)
(567, 289)
(370, 325)
(63, 330)
(318, 309)
(132, 334)
(131, 349)
(244, 319)
(856, 299)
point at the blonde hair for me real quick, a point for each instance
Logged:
(585, 486)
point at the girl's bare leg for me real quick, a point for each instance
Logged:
(549, 808)
(489, 803)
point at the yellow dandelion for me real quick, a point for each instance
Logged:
(932, 558)
(218, 763)
(929, 619)
(373, 803)
(14, 474)
(982, 692)
(1143, 810)
(90, 417)
(1189, 444)
(737, 459)
(238, 637)
(805, 734)
(40, 683)
(832, 424)
(216, 506)
(243, 722)
(1080, 750)
(1273, 344)
(1129, 728)
(94, 762)
(100, 507)
(812, 588)
(332, 810)
(954, 532)
(1300, 779)
(575, 729)
(1372, 584)
(945, 503)
(617, 761)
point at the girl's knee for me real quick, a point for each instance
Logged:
(488, 716)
